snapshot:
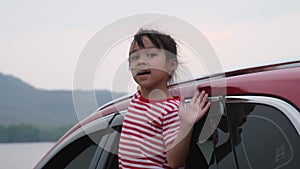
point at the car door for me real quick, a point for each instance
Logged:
(214, 152)
(265, 132)
(199, 157)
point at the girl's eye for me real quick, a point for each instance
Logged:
(150, 55)
(133, 58)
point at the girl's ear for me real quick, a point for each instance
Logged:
(172, 64)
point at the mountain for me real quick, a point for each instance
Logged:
(21, 103)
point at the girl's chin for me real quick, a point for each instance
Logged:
(142, 79)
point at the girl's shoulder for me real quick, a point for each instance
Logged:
(173, 103)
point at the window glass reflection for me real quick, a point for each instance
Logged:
(263, 136)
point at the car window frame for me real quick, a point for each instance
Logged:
(288, 110)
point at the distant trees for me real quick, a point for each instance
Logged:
(28, 114)
(30, 133)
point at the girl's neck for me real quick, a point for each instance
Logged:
(156, 94)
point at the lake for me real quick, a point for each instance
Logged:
(22, 155)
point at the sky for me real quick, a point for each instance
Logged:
(41, 41)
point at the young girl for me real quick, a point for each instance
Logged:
(157, 128)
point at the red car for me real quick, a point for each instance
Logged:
(253, 123)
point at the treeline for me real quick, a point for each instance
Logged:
(30, 133)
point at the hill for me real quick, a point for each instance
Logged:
(21, 103)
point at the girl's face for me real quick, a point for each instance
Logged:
(149, 67)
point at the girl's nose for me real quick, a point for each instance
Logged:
(142, 61)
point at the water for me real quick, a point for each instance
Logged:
(22, 155)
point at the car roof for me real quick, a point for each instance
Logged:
(237, 78)
(258, 79)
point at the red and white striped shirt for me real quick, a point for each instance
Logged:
(148, 128)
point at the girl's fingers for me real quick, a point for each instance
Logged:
(194, 98)
(203, 101)
(202, 94)
(203, 111)
(206, 107)
(198, 96)
(203, 105)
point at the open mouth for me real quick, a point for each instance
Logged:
(143, 72)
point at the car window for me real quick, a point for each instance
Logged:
(83, 159)
(201, 153)
(223, 145)
(109, 156)
(77, 154)
(216, 151)
(263, 136)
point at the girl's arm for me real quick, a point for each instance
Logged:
(189, 114)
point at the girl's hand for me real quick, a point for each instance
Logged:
(192, 112)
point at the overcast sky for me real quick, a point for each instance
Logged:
(41, 41)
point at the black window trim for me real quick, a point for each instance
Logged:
(98, 154)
